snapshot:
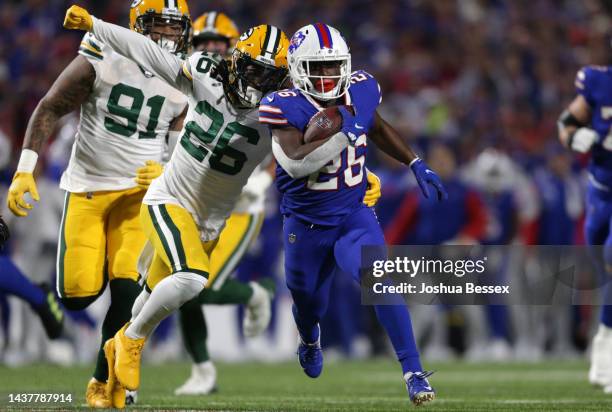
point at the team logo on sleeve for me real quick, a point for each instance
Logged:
(296, 41)
(135, 3)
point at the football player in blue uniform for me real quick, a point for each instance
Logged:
(323, 184)
(585, 126)
(41, 299)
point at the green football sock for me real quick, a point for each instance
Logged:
(123, 293)
(194, 330)
(233, 292)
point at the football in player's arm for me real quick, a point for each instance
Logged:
(301, 159)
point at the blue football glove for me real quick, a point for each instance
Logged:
(425, 176)
(351, 126)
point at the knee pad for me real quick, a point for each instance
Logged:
(78, 303)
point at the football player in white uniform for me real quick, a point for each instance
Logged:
(127, 116)
(215, 32)
(221, 144)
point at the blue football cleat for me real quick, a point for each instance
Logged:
(310, 356)
(418, 387)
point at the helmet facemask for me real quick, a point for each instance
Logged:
(252, 79)
(309, 75)
(177, 43)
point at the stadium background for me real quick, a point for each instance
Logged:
(458, 79)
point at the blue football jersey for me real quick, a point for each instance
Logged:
(329, 195)
(594, 83)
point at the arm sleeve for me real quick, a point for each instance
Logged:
(272, 115)
(271, 111)
(314, 160)
(143, 51)
(366, 96)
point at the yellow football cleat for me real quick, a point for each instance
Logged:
(127, 359)
(114, 391)
(96, 395)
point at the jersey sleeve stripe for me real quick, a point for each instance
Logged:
(270, 109)
(186, 71)
(93, 44)
(272, 115)
(91, 48)
(270, 120)
(85, 51)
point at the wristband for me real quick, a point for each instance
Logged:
(27, 161)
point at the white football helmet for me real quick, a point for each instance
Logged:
(319, 43)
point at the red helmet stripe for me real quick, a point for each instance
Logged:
(325, 39)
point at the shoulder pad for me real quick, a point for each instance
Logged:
(590, 79)
(365, 87)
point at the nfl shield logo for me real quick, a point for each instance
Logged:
(292, 237)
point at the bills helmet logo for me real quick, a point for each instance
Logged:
(296, 41)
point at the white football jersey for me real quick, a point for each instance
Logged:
(219, 148)
(252, 200)
(123, 123)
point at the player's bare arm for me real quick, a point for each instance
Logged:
(70, 90)
(390, 141)
(574, 132)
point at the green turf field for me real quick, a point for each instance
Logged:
(352, 386)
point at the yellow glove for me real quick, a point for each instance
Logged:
(373, 193)
(22, 183)
(146, 174)
(77, 18)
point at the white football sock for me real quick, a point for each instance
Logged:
(139, 303)
(167, 297)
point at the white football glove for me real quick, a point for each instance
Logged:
(583, 139)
